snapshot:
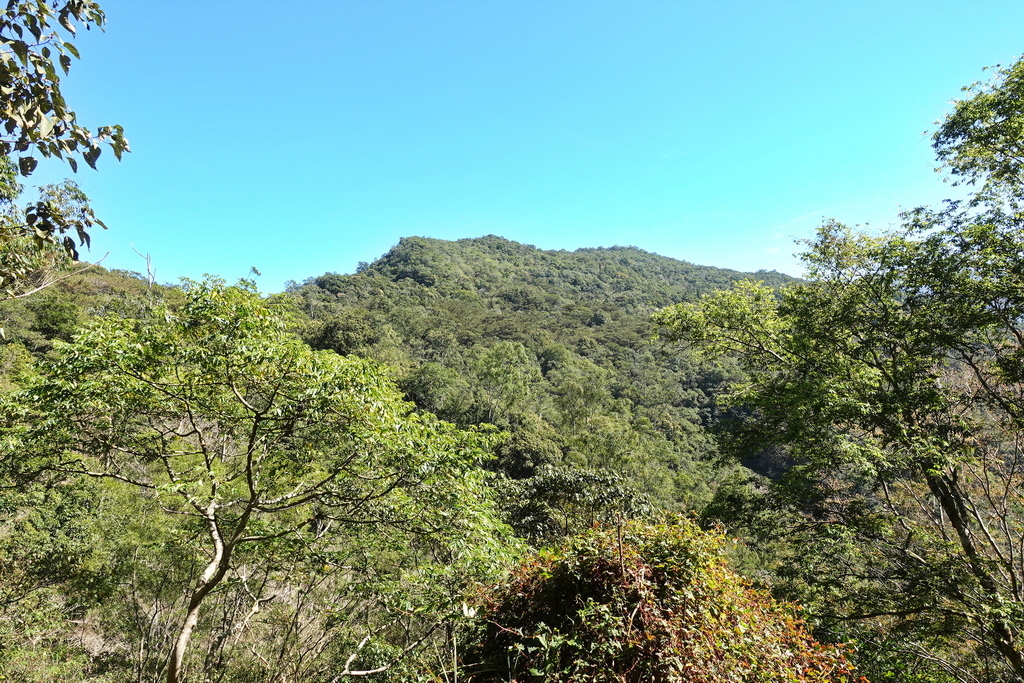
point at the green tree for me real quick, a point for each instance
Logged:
(508, 374)
(35, 49)
(888, 387)
(230, 426)
(557, 502)
(983, 138)
(580, 394)
(889, 381)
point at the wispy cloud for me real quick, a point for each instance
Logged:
(817, 214)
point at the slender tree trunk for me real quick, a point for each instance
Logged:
(952, 502)
(191, 619)
(211, 576)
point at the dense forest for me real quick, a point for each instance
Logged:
(477, 460)
(556, 349)
(561, 412)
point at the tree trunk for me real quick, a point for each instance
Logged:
(953, 504)
(211, 576)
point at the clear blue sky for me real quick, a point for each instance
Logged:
(302, 137)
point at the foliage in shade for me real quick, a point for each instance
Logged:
(643, 603)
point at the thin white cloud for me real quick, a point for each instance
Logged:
(817, 213)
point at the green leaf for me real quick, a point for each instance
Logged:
(26, 165)
(21, 50)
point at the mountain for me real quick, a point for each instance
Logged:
(525, 276)
(554, 347)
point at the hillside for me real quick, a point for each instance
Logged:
(553, 346)
(522, 276)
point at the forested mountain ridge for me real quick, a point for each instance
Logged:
(522, 276)
(553, 346)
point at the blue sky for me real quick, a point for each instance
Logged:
(302, 137)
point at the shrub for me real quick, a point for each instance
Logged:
(643, 603)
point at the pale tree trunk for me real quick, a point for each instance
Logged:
(210, 578)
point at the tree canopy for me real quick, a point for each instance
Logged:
(888, 384)
(983, 138)
(257, 449)
(35, 119)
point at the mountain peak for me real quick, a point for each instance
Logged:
(492, 266)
